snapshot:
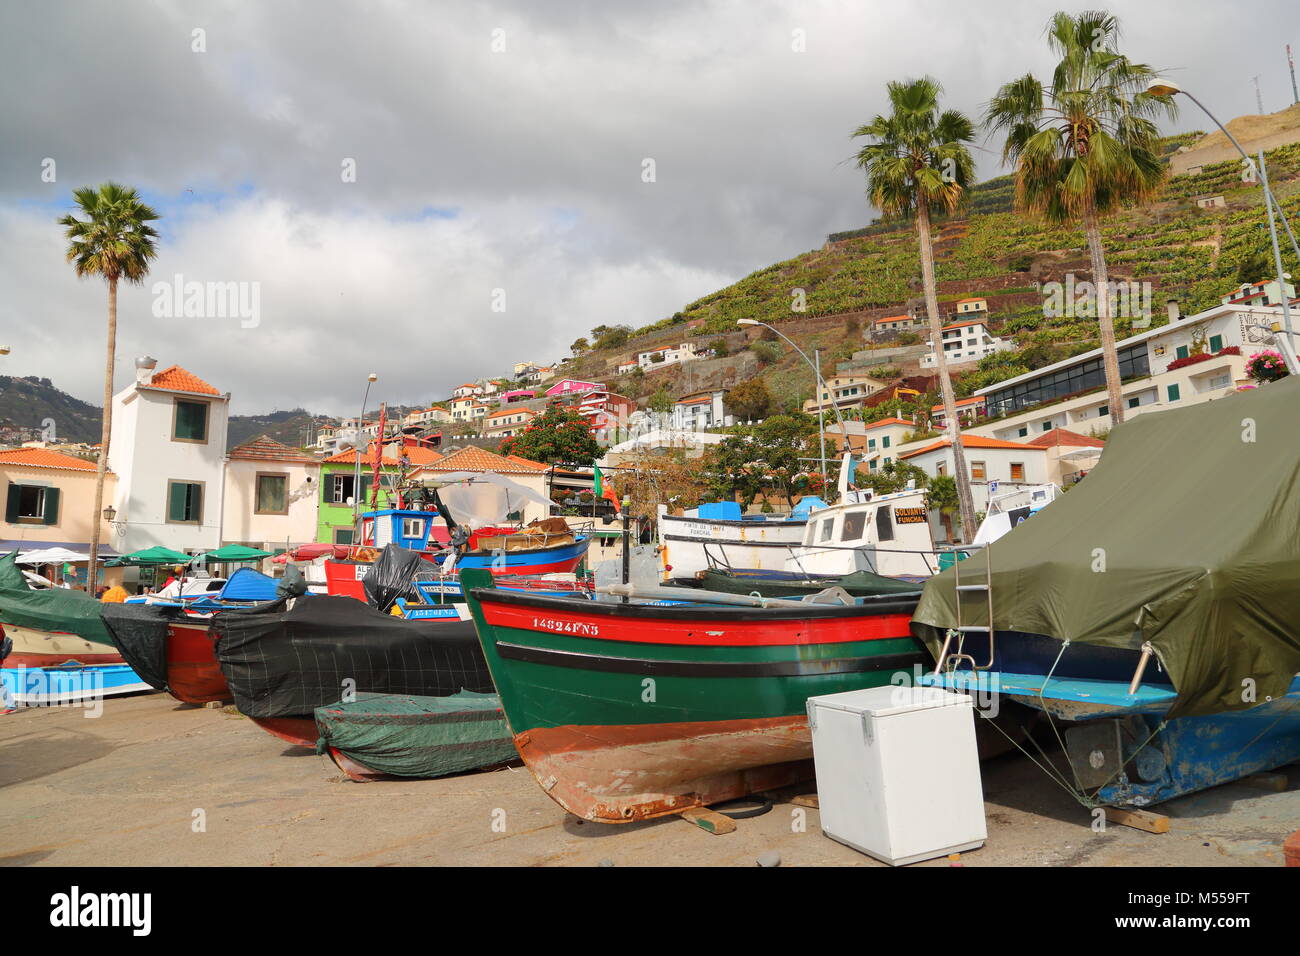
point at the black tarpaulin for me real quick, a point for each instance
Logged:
(140, 633)
(389, 578)
(285, 661)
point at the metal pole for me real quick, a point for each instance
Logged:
(821, 426)
(1288, 353)
(1290, 62)
(627, 547)
(356, 478)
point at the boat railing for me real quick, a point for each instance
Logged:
(960, 551)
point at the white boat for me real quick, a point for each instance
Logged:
(1007, 510)
(718, 535)
(886, 534)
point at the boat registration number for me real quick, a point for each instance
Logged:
(566, 627)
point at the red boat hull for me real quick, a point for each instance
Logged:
(300, 731)
(193, 674)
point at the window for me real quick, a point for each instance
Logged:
(888, 460)
(1216, 343)
(1103, 410)
(854, 525)
(1023, 432)
(185, 502)
(271, 495)
(977, 471)
(338, 489)
(1017, 471)
(941, 468)
(1133, 362)
(1181, 352)
(1047, 426)
(342, 535)
(1133, 402)
(871, 444)
(1172, 392)
(190, 421)
(412, 527)
(1221, 381)
(884, 442)
(884, 527)
(32, 504)
(826, 529)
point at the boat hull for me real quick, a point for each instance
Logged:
(627, 712)
(299, 731)
(193, 674)
(33, 647)
(690, 545)
(560, 559)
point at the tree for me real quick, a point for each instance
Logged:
(647, 480)
(941, 496)
(750, 400)
(761, 458)
(1084, 145)
(719, 347)
(579, 346)
(559, 434)
(115, 241)
(917, 164)
(661, 401)
(892, 477)
(610, 336)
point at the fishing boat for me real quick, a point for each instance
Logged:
(628, 711)
(1159, 639)
(284, 659)
(1007, 510)
(51, 626)
(169, 643)
(401, 735)
(718, 533)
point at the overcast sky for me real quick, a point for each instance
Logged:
(479, 168)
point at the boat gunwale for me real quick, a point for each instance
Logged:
(877, 606)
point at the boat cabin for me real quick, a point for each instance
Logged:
(885, 534)
(403, 526)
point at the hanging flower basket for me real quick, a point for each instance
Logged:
(1266, 366)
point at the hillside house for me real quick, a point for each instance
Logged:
(965, 341)
(271, 495)
(668, 355)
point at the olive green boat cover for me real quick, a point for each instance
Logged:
(48, 609)
(858, 584)
(1186, 534)
(409, 736)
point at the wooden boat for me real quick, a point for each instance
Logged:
(193, 674)
(631, 711)
(401, 735)
(718, 532)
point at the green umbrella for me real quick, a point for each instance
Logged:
(150, 556)
(234, 552)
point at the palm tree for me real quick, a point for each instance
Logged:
(917, 164)
(1084, 145)
(941, 496)
(115, 242)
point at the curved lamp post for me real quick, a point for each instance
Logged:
(821, 385)
(1167, 88)
(356, 449)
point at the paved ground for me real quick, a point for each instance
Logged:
(125, 789)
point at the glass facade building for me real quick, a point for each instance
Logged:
(1081, 377)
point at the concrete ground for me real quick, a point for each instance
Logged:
(132, 787)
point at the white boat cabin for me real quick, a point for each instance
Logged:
(886, 534)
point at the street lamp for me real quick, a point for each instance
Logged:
(821, 385)
(356, 451)
(1168, 88)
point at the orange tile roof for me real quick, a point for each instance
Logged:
(1062, 437)
(177, 379)
(503, 412)
(44, 458)
(892, 318)
(978, 298)
(970, 441)
(962, 325)
(473, 458)
(973, 400)
(266, 448)
(891, 421)
(418, 454)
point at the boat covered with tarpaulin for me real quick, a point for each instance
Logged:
(1168, 583)
(791, 584)
(50, 626)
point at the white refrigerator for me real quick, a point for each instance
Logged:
(898, 774)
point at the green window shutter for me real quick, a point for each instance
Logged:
(1181, 351)
(176, 502)
(1216, 343)
(884, 442)
(11, 504)
(196, 503)
(51, 505)
(191, 420)
(327, 489)
(1173, 393)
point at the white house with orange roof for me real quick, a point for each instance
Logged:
(1006, 464)
(968, 340)
(507, 422)
(467, 390)
(972, 308)
(272, 494)
(168, 449)
(49, 498)
(1070, 455)
(894, 323)
(968, 410)
(530, 474)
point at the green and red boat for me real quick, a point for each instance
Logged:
(631, 711)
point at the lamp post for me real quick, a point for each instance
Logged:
(821, 385)
(1167, 88)
(356, 452)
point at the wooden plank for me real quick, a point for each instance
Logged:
(806, 800)
(709, 820)
(1138, 819)
(1276, 782)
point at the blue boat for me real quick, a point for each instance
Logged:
(70, 683)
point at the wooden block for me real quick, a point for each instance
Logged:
(1138, 819)
(217, 704)
(806, 800)
(1276, 782)
(709, 820)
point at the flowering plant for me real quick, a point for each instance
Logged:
(1266, 366)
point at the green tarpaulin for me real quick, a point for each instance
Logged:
(234, 552)
(48, 609)
(1187, 535)
(410, 736)
(150, 556)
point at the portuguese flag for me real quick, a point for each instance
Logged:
(603, 489)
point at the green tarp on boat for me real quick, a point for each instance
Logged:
(48, 609)
(858, 584)
(1186, 535)
(409, 736)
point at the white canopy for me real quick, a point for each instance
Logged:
(478, 498)
(51, 556)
